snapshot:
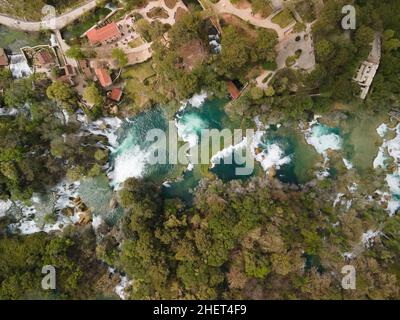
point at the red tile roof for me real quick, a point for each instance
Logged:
(69, 70)
(44, 57)
(3, 58)
(103, 77)
(115, 94)
(105, 33)
(83, 64)
(233, 90)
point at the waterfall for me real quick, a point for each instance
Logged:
(19, 66)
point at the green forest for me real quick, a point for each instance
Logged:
(253, 239)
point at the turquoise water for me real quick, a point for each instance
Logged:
(183, 179)
(97, 194)
(129, 159)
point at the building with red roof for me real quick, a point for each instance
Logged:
(45, 58)
(233, 90)
(3, 58)
(103, 77)
(115, 94)
(108, 33)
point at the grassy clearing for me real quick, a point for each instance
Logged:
(157, 12)
(261, 7)
(283, 18)
(136, 43)
(306, 10)
(140, 71)
(139, 85)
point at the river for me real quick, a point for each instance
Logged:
(337, 146)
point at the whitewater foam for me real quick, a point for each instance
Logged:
(322, 139)
(382, 129)
(131, 163)
(19, 66)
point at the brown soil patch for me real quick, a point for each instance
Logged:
(170, 3)
(192, 53)
(180, 12)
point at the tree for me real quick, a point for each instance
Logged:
(324, 49)
(234, 51)
(265, 45)
(101, 155)
(185, 29)
(135, 3)
(143, 27)
(75, 52)
(269, 92)
(19, 92)
(5, 77)
(390, 43)
(119, 55)
(256, 93)
(93, 95)
(364, 36)
(61, 93)
(262, 7)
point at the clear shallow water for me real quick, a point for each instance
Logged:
(97, 194)
(284, 148)
(298, 153)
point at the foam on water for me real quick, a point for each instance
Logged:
(107, 127)
(122, 286)
(227, 152)
(4, 207)
(390, 148)
(368, 238)
(381, 158)
(322, 138)
(31, 217)
(347, 164)
(382, 129)
(130, 163)
(19, 67)
(196, 101)
(8, 112)
(272, 154)
(337, 199)
(189, 127)
(96, 222)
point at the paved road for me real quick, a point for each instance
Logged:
(54, 24)
(225, 6)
